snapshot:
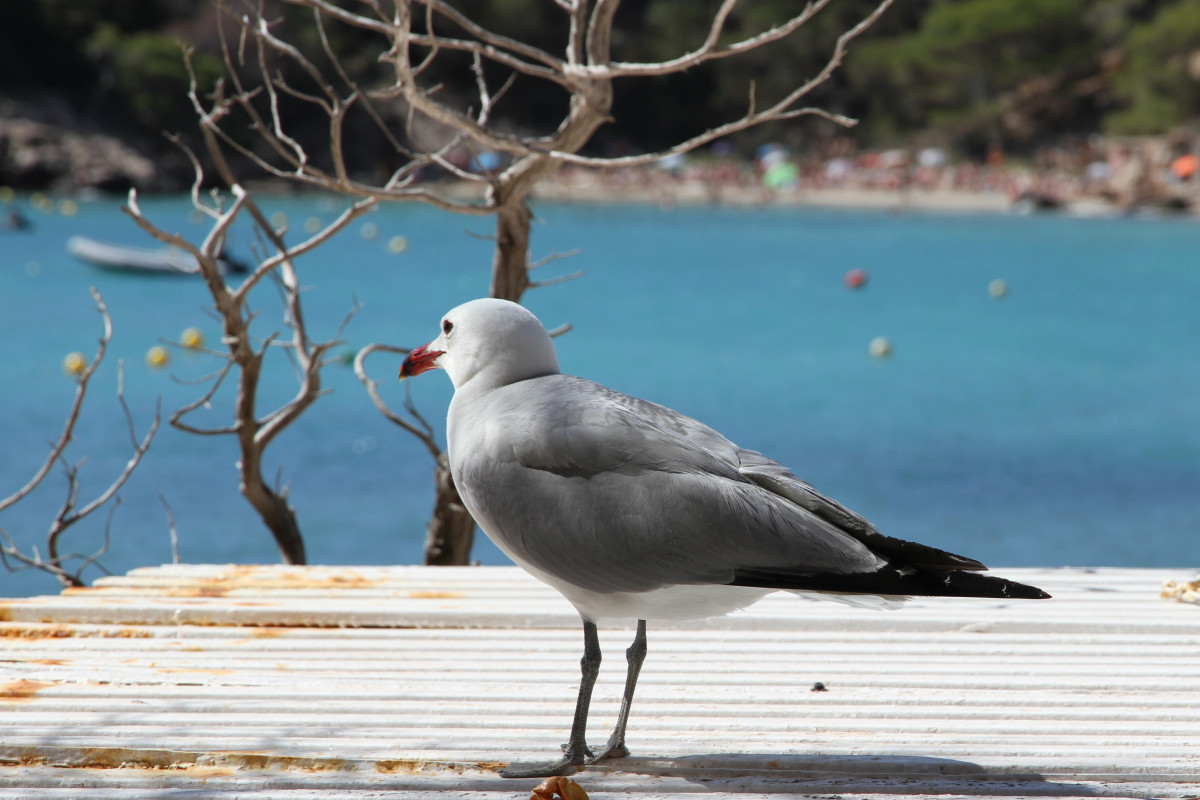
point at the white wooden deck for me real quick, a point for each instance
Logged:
(413, 682)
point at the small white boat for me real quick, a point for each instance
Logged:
(130, 258)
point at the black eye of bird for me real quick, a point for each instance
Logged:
(447, 326)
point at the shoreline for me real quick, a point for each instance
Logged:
(693, 194)
(1121, 177)
(914, 199)
(738, 197)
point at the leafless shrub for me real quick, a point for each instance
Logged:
(68, 568)
(425, 128)
(245, 353)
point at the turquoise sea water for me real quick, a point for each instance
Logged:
(1059, 425)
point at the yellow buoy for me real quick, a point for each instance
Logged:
(7, 194)
(279, 219)
(398, 244)
(41, 202)
(370, 230)
(191, 338)
(68, 208)
(312, 224)
(881, 347)
(998, 288)
(74, 364)
(157, 357)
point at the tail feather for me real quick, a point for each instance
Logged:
(891, 580)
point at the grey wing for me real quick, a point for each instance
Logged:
(779, 480)
(615, 494)
(776, 478)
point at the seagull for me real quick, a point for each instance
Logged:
(636, 512)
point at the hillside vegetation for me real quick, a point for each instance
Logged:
(966, 75)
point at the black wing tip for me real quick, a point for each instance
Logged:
(893, 580)
(1018, 591)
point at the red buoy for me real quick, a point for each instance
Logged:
(856, 279)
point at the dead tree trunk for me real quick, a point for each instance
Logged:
(510, 263)
(280, 519)
(451, 532)
(272, 508)
(254, 430)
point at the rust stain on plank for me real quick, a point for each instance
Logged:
(237, 578)
(216, 762)
(38, 631)
(416, 766)
(21, 690)
(49, 630)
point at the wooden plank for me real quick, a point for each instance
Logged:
(348, 682)
(258, 595)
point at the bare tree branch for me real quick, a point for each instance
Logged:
(428, 128)
(711, 49)
(782, 110)
(541, 262)
(418, 427)
(70, 512)
(559, 279)
(81, 387)
(204, 401)
(356, 92)
(171, 528)
(382, 25)
(254, 432)
(140, 449)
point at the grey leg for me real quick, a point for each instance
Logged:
(575, 752)
(635, 655)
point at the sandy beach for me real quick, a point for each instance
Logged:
(696, 193)
(1010, 190)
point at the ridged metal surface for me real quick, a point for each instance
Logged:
(418, 682)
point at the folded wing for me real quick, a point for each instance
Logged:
(641, 497)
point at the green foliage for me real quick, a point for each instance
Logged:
(1024, 71)
(689, 103)
(954, 70)
(78, 19)
(1160, 79)
(965, 72)
(107, 58)
(148, 73)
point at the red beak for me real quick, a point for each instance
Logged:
(420, 360)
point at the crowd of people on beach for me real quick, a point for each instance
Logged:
(1108, 175)
(1122, 174)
